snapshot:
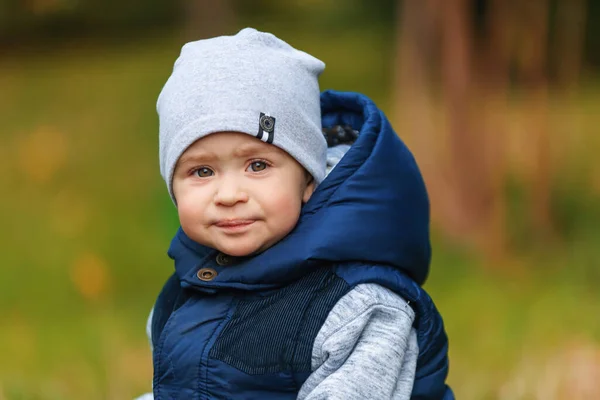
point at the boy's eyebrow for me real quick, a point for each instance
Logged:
(196, 157)
(250, 149)
(244, 150)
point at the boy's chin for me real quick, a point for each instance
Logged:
(231, 247)
(237, 253)
(239, 250)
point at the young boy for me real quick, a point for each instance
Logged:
(289, 285)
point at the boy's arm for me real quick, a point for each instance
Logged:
(148, 396)
(149, 329)
(169, 299)
(366, 349)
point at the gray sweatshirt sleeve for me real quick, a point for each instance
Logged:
(148, 396)
(149, 329)
(366, 349)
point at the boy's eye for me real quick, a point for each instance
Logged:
(204, 172)
(257, 166)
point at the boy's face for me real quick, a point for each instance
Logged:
(237, 194)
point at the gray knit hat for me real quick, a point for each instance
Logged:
(252, 83)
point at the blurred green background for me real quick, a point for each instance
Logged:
(499, 100)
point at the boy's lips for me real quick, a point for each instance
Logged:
(234, 226)
(231, 223)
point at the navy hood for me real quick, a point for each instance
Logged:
(372, 208)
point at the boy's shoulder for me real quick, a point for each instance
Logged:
(392, 278)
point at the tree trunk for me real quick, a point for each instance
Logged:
(416, 39)
(468, 183)
(570, 38)
(534, 76)
(492, 109)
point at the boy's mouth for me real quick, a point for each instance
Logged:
(224, 223)
(234, 225)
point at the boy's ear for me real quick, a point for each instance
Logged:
(308, 190)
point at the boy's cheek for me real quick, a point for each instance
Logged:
(184, 192)
(286, 208)
(187, 207)
(176, 190)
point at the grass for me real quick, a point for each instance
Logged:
(87, 221)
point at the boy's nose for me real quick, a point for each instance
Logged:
(230, 193)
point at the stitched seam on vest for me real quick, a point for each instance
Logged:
(205, 355)
(162, 339)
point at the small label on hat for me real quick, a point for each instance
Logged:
(266, 124)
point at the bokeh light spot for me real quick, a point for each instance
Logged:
(90, 276)
(42, 153)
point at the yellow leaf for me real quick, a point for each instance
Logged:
(90, 276)
(42, 153)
